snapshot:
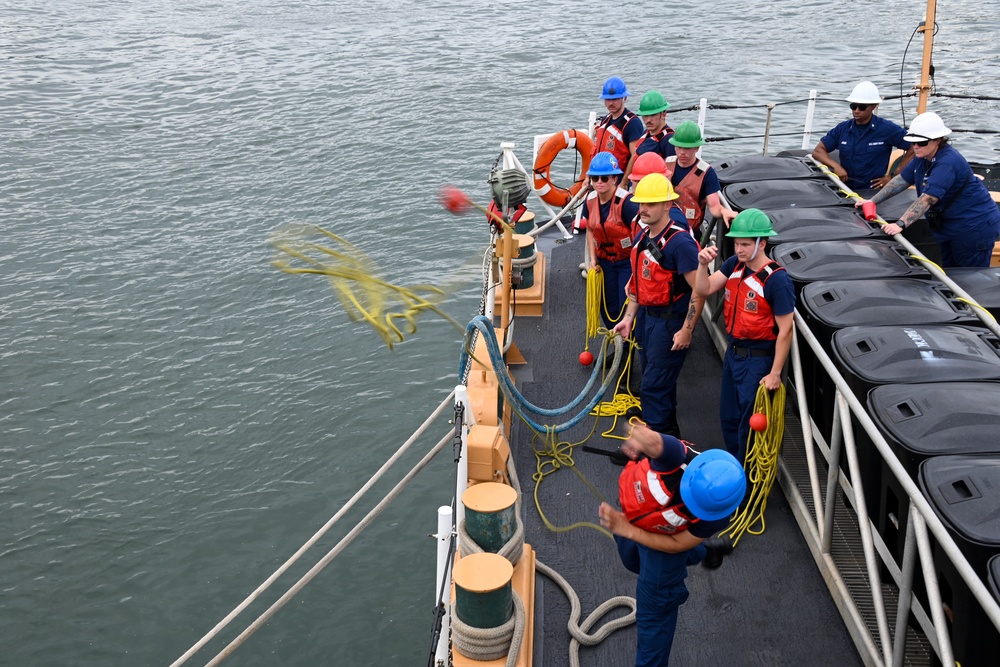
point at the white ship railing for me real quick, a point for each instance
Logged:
(818, 527)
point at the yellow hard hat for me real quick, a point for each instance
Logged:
(654, 188)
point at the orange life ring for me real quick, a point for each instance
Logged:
(547, 190)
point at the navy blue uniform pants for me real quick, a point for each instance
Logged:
(659, 593)
(661, 367)
(741, 376)
(974, 249)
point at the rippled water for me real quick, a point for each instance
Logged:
(178, 416)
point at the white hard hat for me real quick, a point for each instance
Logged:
(926, 126)
(865, 92)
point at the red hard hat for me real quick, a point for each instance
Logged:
(647, 163)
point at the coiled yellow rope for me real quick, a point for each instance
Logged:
(595, 302)
(595, 294)
(622, 402)
(763, 448)
(355, 279)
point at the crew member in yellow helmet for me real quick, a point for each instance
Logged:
(664, 265)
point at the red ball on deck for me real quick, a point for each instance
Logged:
(758, 421)
(586, 358)
(454, 200)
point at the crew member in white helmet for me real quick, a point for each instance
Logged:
(864, 142)
(963, 218)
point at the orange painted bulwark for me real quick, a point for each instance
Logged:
(488, 455)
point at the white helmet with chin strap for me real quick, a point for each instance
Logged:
(925, 126)
(865, 92)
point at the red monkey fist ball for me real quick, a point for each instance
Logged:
(758, 421)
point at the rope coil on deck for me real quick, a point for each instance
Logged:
(477, 641)
(491, 643)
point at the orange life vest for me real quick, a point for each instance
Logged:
(609, 138)
(652, 284)
(689, 190)
(614, 235)
(647, 497)
(747, 313)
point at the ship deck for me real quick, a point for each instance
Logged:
(768, 604)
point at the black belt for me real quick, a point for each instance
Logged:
(665, 313)
(743, 352)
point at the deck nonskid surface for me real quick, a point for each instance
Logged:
(766, 605)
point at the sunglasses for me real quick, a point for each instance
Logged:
(859, 107)
(920, 143)
(602, 179)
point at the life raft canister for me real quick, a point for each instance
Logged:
(542, 169)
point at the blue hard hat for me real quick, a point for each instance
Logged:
(614, 88)
(604, 164)
(713, 485)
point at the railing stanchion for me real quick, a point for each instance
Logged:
(810, 110)
(865, 527)
(444, 537)
(832, 477)
(905, 593)
(933, 592)
(806, 421)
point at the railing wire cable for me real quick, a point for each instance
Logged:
(318, 567)
(448, 402)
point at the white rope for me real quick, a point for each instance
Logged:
(318, 567)
(503, 641)
(579, 630)
(322, 531)
(486, 641)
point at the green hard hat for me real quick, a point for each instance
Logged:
(687, 135)
(653, 102)
(751, 224)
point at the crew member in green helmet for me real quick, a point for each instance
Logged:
(758, 311)
(694, 179)
(653, 112)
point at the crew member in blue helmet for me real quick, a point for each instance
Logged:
(608, 214)
(963, 217)
(619, 131)
(673, 500)
(664, 264)
(865, 143)
(653, 112)
(758, 311)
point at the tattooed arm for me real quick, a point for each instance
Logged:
(912, 214)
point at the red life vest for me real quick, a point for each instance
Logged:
(614, 235)
(651, 284)
(648, 498)
(748, 314)
(609, 138)
(689, 190)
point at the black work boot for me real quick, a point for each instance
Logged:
(717, 548)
